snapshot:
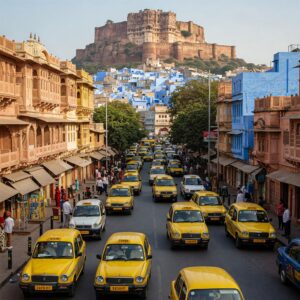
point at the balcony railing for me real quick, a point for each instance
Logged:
(9, 159)
(292, 153)
(273, 103)
(266, 157)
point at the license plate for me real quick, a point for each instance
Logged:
(43, 287)
(117, 208)
(258, 241)
(119, 288)
(166, 196)
(215, 219)
(84, 232)
(191, 241)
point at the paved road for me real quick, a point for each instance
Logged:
(254, 269)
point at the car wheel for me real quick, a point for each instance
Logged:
(238, 242)
(71, 292)
(83, 268)
(99, 236)
(226, 231)
(144, 293)
(168, 235)
(26, 294)
(205, 247)
(283, 277)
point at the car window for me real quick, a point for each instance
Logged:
(248, 215)
(79, 241)
(86, 211)
(231, 210)
(76, 246)
(124, 252)
(120, 192)
(53, 249)
(178, 285)
(183, 292)
(146, 245)
(294, 253)
(209, 200)
(187, 216)
(234, 215)
(192, 181)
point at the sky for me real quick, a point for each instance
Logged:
(258, 28)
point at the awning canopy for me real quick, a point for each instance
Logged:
(57, 166)
(17, 176)
(224, 161)
(285, 177)
(96, 155)
(205, 156)
(235, 132)
(11, 121)
(77, 161)
(45, 119)
(25, 186)
(41, 176)
(244, 167)
(109, 151)
(6, 192)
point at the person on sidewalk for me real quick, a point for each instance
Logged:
(8, 229)
(240, 197)
(2, 234)
(57, 197)
(67, 211)
(105, 184)
(279, 212)
(99, 185)
(286, 218)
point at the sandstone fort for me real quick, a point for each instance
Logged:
(150, 35)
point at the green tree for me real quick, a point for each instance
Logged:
(124, 126)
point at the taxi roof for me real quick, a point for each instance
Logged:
(129, 237)
(163, 176)
(120, 186)
(187, 205)
(87, 202)
(191, 176)
(132, 162)
(208, 278)
(63, 234)
(247, 205)
(157, 167)
(207, 193)
(131, 174)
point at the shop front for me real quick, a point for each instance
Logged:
(8, 199)
(81, 167)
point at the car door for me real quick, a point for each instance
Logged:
(228, 218)
(169, 221)
(182, 185)
(194, 199)
(176, 288)
(234, 223)
(103, 215)
(293, 263)
(78, 259)
(148, 252)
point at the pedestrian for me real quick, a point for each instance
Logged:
(67, 211)
(97, 173)
(99, 185)
(248, 197)
(8, 229)
(2, 234)
(279, 212)
(240, 197)
(286, 218)
(63, 193)
(185, 169)
(105, 184)
(88, 193)
(57, 196)
(191, 169)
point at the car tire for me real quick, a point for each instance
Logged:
(71, 292)
(282, 275)
(99, 236)
(205, 247)
(226, 231)
(238, 242)
(26, 294)
(144, 293)
(83, 268)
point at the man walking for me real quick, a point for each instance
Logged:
(105, 184)
(8, 229)
(67, 211)
(286, 218)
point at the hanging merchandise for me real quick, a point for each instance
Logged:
(36, 207)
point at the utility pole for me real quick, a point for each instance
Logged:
(209, 112)
(218, 144)
(106, 134)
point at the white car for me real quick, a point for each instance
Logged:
(89, 217)
(154, 171)
(191, 184)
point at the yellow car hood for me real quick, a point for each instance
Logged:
(165, 189)
(176, 169)
(213, 209)
(121, 268)
(256, 227)
(48, 266)
(118, 199)
(190, 227)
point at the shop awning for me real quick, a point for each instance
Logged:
(6, 192)
(96, 155)
(17, 176)
(11, 121)
(77, 161)
(45, 119)
(57, 166)
(244, 167)
(41, 176)
(285, 177)
(235, 132)
(103, 152)
(224, 161)
(205, 156)
(25, 186)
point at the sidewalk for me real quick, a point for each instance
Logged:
(295, 228)
(20, 241)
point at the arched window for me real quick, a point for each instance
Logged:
(78, 95)
(5, 140)
(39, 141)
(31, 136)
(47, 136)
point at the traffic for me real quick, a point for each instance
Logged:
(57, 263)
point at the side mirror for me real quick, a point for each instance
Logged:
(149, 256)
(79, 254)
(168, 219)
(98, 256)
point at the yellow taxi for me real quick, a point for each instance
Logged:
(205, 283)
(186, 225)
(175, 168)
(148, 157)
(164, 188)
(134, 181)
(139, 160)
(129, 156)
(125, 266)
(56, 263)
(143, 151)
(132, 166)
(120, 199)
(211, 205)
(133, 149)
(248, 223)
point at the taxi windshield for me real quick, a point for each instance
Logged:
(192, 181)
(157, 171)
(210, 200)
(86, 211)
(53, 249)
(124, 252)
(157, 163)
(132, 167)
(165, 182)
(253, 216)
(130, 178)
(216, 294)
(187, 216)
(121, 192)
(175, 166)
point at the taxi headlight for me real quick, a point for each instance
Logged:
(99, 279)
(176, 235)
(127, 203)
(107, 204)
(187, 190)
(157, 193)
(64, 278)
(273, 235)
(25, 277)
(95, 225)
(139, 279)
(205, 235)
(245, 233)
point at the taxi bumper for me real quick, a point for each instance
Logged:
(190, 242)
(37, 288)
(128, 289)
(258, 241)
(118, 209)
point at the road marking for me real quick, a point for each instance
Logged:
(159, 277)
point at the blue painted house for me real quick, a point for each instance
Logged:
(281, 80)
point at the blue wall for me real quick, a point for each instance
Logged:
(282, 80)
